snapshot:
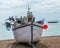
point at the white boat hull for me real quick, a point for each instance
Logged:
(24, 34)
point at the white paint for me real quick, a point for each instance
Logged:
(24, 34)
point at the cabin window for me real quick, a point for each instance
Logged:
(19, 21)
(29, 19)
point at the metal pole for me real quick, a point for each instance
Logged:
(31, 32)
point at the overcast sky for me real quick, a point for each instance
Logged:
(48, 9)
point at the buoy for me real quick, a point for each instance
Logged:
(8, 26)
(45, 26)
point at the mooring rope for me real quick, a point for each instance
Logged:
(33, 46)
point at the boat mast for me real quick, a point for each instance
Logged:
(28, 13)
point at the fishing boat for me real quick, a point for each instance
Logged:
(26, 29)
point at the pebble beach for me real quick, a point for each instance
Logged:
(45, 42)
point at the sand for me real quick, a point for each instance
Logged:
(45, 42)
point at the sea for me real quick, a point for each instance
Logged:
(52, 30)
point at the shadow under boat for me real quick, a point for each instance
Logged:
(24, 45)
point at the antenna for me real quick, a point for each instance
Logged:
(28, 8)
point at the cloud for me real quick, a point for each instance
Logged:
(35, 3)
(45, 4)
(11, 3)
(17, 7)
